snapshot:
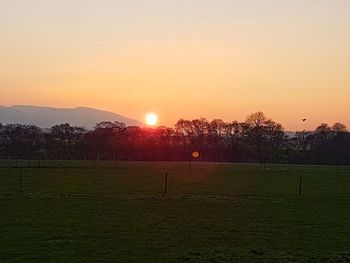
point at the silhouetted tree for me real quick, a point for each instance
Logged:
(235, 146)
(257, 139)
(20, 140)
(62, 137)
(264, 136)
(106, 139)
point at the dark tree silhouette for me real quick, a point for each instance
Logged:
(258, 139)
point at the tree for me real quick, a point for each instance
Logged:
(107, 139)
(216, 136)
(339, 128)
(234, 135)
(62, 136)
(302, 144)
(131, 140)
(257, 139)
(20, 140)
(264, 136)
(340, 144)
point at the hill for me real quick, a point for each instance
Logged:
(46, 117)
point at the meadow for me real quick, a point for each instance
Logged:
(70, 211)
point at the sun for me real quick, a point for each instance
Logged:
(151, 119)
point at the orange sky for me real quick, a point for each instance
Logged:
(180, 59)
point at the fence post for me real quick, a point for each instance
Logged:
(300, 183)
(20, 179)
(264, 166)
(166, 183)
(337, 169)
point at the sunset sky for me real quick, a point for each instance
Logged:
(180, 58)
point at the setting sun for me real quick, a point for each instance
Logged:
(151, 119)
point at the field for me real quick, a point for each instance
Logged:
(118, 212)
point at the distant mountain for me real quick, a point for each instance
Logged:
(46, 117)
(290, 134)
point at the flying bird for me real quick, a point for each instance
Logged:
(303, 120)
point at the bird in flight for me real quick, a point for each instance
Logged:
(303, 120)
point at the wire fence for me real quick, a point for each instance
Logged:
(168, 178)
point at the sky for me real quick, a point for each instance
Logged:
(180, 58)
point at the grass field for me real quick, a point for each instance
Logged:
(117, 212)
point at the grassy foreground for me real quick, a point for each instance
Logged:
(117, 212)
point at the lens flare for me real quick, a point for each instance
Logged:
(195, 154)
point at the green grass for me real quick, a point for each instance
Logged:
(117, 212)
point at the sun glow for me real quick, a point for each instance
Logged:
(151, 119)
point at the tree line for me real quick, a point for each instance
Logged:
(257, 139)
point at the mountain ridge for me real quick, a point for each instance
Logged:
(46, 117)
